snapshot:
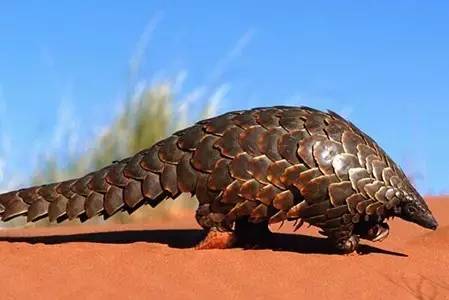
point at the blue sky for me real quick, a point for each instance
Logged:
(64, 67)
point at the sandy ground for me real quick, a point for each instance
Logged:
(154, 261)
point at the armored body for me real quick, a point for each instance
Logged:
(248, 169)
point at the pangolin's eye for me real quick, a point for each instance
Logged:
(411, 209)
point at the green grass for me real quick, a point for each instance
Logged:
(146, 119)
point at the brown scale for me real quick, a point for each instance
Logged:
(133, 169)
(258, 168)
(372, 188)
(361, 185)
(316, 190)
(151, 187)
(356, 174)
(249, 189)
(239, 166)
(268, 143)
(267, 194)
(259, 214)
(378, 167)
(306, 146)
(168, 180)
(291, 174)
(202, 192)
(267, 118)
(113, 200)
(241, 209)
(334, 129)
(275, 172)
(231, 193)
(186, 176)
(350, 140)
(81, 186)
(92, 206)
(263, 165)
(57, 208)
(190, 138)
(344, 162)
(48, 192)
(218, 125)
(29, 195)
(228, 144)
(324, 153)
(64, 188)
(248, 139)
(291, 123)
(316, 209)
(287, 145)
(115, 175)
(75, 206)
(295, 211)
(336, 212)
(372, 208)
(305, 177)
(278, 217)
(352, 202)
(369, 163)
(220, 178)
(315, 124)
(132, 194)
(37, 210)
(284, 200)
(339, 192)
(363, 152)
(151, 161)
(98, 182)
(244, 121)
(362, 205)
(390, 193)
(387, 173)
(205, 156)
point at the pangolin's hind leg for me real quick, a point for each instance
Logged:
(252, 235)
(218, 238)
(245, 234)
(219, 231)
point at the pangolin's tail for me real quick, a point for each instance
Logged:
(148, 177)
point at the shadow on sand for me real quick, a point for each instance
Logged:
(188, 238)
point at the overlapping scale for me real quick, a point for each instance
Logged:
(264, 164)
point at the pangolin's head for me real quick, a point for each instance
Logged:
(413, 208)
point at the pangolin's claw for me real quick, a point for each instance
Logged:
(298, 224)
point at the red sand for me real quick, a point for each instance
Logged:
(154, 260)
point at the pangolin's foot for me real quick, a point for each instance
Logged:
(377, 233)
(245, 234)
(253, 235)
(217, 239)
(347, 245)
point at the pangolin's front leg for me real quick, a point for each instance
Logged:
(346, 240)
(347, 244)
(376, 232)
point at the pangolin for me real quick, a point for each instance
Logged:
(248, 169)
